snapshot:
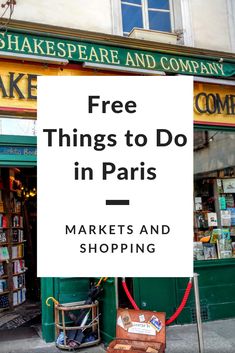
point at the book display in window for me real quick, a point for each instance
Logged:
(12, 264)
(214, 219)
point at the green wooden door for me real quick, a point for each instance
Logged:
(155, 294)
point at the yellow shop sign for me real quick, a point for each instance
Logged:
(18, 85)
(214, 104)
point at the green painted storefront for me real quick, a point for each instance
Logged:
(216, 280)
(217, 277)
(217, 296)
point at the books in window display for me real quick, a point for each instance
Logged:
(198, 203)
(219, 186)
(225, 234)
(210, 251)
(232, 231)
(201, 220)
(222, 203)
(225, 218)
(229, 200)
(232, 212)
(215, 235)
(198, 251)
(233, 249)
(224, 247)
(212, 219)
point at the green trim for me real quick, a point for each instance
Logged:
(214, 127)
(20, 159)
(33, 46)
(15, 140)
(214, 263)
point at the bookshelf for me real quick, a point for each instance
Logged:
(214, 219)
(12, 242)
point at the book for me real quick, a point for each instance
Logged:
(219, 186)
(215, 235)
(1, 206)
(232, 231)
(3, 237)
(17, 221)
(198, 252)
(233, 249)
(225, 234)
(17, 251)
(201, 220)
(225, 218)
(18, 266)
(198, 203)
(2, 272)
(229, 200)
(212, 219)
(232, 212)
(15, 282)
(3, 285)
(229, 185)
(210, 251)
(15, 298)
(4, 254)
(224, 247)
(17, 235)
(4, 301)
(222, 203)
(3, 221)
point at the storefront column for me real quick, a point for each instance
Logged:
(48, 327)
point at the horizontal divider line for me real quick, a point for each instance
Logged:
(117, 202)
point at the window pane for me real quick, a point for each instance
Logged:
(160, 21)
(131, 17)
(158, 4)
(138, 2)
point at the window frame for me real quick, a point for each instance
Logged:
(145, 13)
(181, 20)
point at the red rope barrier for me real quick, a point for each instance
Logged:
(178, 311)
(182, 304)
(133, 303)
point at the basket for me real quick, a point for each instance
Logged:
(64, 326)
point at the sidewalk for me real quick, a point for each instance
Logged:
(219, 337)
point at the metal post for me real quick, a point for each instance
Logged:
(198, 313)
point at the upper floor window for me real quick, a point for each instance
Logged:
(149, 14)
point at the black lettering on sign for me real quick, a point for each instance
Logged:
(214, 103)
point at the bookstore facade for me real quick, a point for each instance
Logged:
(86, 53)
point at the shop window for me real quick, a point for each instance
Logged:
(148, 14)
(214, 196)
